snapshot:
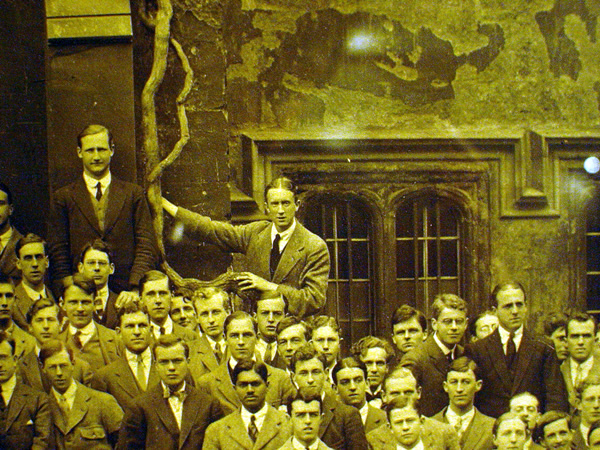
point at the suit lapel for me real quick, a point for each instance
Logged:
(79, 409)
(496, 355)
(329, 411)
(372, 422)
(472, 434)
(565, 369)
(18, 400)
(126, 379)
(105, 340)
(238, 432)
(269, 430)
(438, 359)
(188, 416)
(82, 199)
(32, 372)
(523, 361)
(224, 384)
(114, 205)
(163, 410)
(7, 257)
(291, 254)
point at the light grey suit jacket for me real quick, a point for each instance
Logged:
(303, 269)
(202, 358)
(565, 369)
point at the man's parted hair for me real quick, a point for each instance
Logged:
(406, 313)
(504, 286)
(132, 308)
(30, 238)
(250, 366)
(451, 301)
(399, 373)
(503, 418)
(5, 279)
(95, 129)
(240, 315)
(4, 188)
(40, 304)
(79, 281)
(99, 245)
(324, 321)
(306, 397)
(401, 403)
(152, 275)
(553, 321)
(306, 352)
(546, 419)
(463, 364)
(290, 321)
(360, 348)
(349, 362)
(581, 317)
(591, 381)
(51, 347)
(208, 293)
(282, 183)
(525, 394)
(168, 341)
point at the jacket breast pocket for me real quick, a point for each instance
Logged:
(92, 433)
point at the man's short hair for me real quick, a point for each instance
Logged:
(581, 317)
(451, 301)
(306, 397)
(350, 362)
(524, 394)
(5, 279)
(168, 341)
(30, 238)
(406, 313)
(282, 183)
(78, 280)
(501, 287)
(546, 419)
(250, 366)
(38, 305)
(95, 129)
(463, 364)
(290, 321)
(306, 352)
(152, 275)
(401, 403)
(591, 381)
(593, 427)
(5, 337)
(270, 295)
(505, 417)
(207, 293)
(51, 347)
(324, 321)
(553, 321)
(360, 348)
(240, 315)
(131, 308)
(399, 373)
(473, 321)
(4, 188)
(98, 245)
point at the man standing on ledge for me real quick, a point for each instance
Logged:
(99, 206)
(282, 255)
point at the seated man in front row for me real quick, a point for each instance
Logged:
(553, 431)
(256, 425)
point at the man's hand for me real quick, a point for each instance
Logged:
(126, 298)
(247, 281)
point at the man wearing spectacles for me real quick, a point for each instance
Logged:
(430, 362)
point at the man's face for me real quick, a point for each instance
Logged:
(269, 313)
(211, 316)
(511, 309)
(486, 325)
(33, 262)
(95, 154)
(559, 338)
(156, 295)
(8, 362)
(171, 365)
(310, 375)
(407, 335)
(590, 405)
(78, 306)
(351, 386)
(376, 361)
(406, 426)
(305, 419)
(450, 326)
(45, 325)
(595, 439)
(281, 208)
(461, 388)
(59, 370)
(526, 406)
(6, 211)
(557, 435)
(511, 435)
(289, 340)
(580, 339)
(241, 338)
(135, 331)
(7, 298)
(251, 390)
(327, 343)
(400, 387)
(96, 266)
(183, 313)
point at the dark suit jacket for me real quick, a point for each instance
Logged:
(22, 304)
(565, 369)
(303, 269)
(31, 373)
(478, 435)
(435, 436)
(28, 423)
(536, 371)
(109, 346)
(202, 357)
(94, 417)
(430, 367)
(109, 318)
(8, 258)
(229, 433)
(128, 231)
(118, 380)
(218, 383)
(150, 424)
(341, 426)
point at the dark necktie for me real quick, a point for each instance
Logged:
(268, 353)
(2, 403)
(373, 396)
(511, 349)
(98, 191)
(252, 430)
(275, 255)
(77, 339)
(218, 353)
(161, 331)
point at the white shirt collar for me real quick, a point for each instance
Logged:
(167, 391)
(298, 446)
(505, 334)
(466, 418)
(168, 326)
(584, 432)
(8, 388)
(418, 446)
(5, 237)
(69, 394)
(445, 350)
(32, 293)
(259, 416)
(92, 182)
(132, 357)
(284, 236)
(88, 330)
(364, 412)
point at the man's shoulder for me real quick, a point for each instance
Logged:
(383, 433)
(106, 332)
(109, 370)
(483, 419)
(117, 183)
(24, 390)
(308, 236)
(433, 425)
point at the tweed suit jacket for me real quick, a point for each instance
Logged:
(202, 358)
(289, 446)
(341, 426)
(8, 258)
(229, 433)
(435, 436)
(375, 418)
(22, 304)
(430, 367)
(536, 371)
(28, 422)
(118, 380)
(23, 340)
(93, 418)
(478, 435)
(110, 346)
(31, 373)
(302, 272)
(218, 383)
(150, 424)
(565, 369)
(128, 231)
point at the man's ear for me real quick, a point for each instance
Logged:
(478, 385)
(445, 386)
(79, 153)
(80, 267)
(18, 264)
(434, 324)
(112, 268)
(418, 391)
